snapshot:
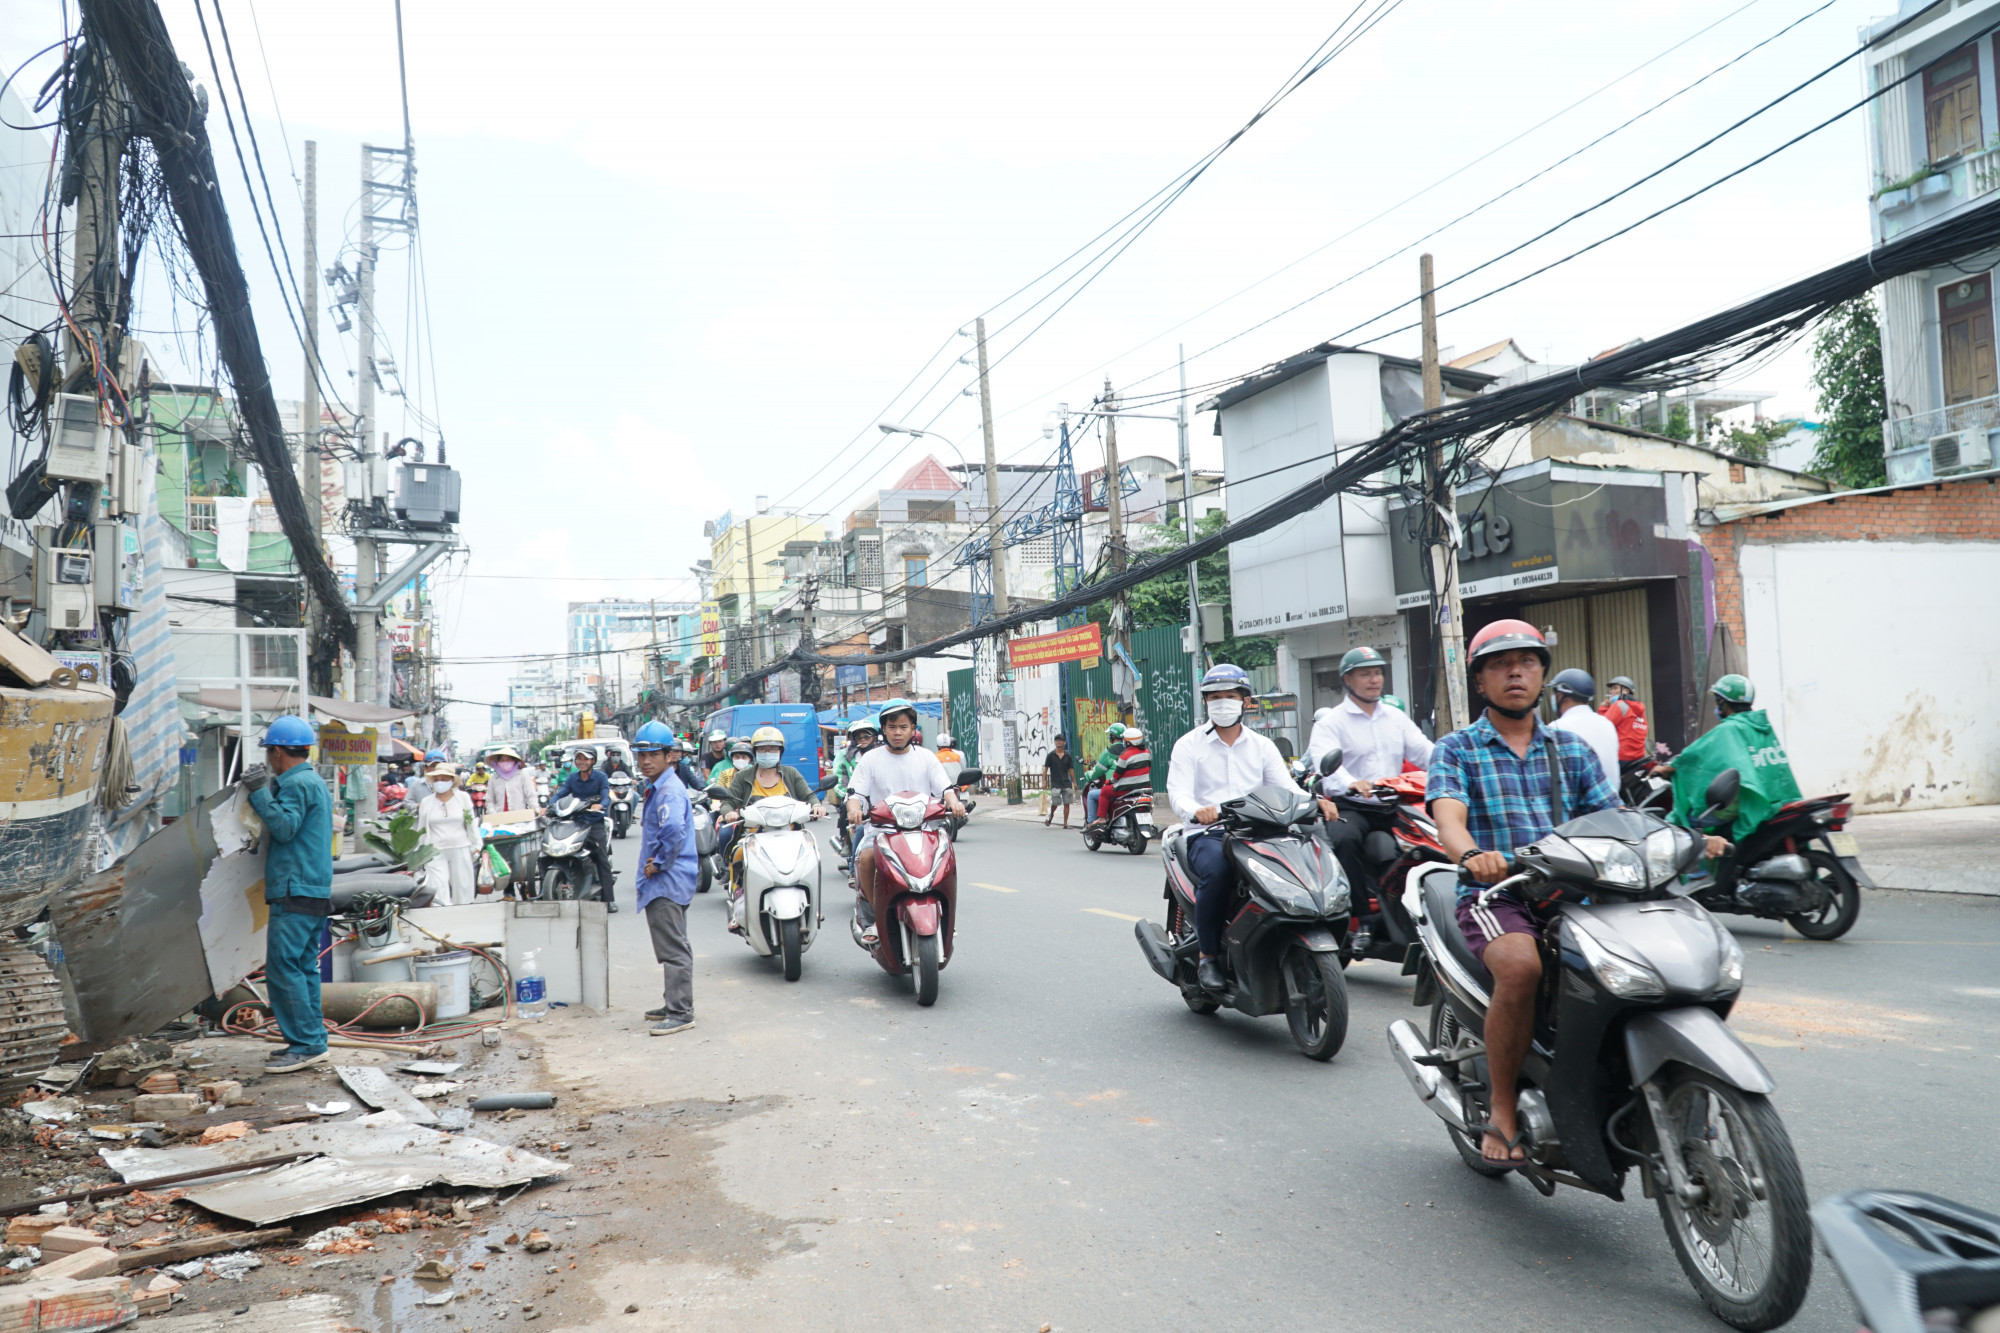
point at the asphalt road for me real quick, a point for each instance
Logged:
(1060, 1142)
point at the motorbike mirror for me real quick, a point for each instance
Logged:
(1329, 763)
(715, 791)
(1721, 797)
(968, 776)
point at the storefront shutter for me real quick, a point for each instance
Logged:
(1621, 644)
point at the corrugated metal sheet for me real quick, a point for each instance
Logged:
(1620, 643)
(1571, 623)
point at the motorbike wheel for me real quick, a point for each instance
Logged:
(704, 875)
(1843, 906)
(1093, 840)
(1746, 1245)
(562, 884)
(789, 946)
(927, 970)
(1444, 1034)
(1318, 1017)
(1136, 843)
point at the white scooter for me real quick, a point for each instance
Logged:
(780, 881)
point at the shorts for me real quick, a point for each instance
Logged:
(1501, 914)
(1062, 796)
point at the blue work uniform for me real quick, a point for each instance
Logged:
(666, 842)
(298, 886)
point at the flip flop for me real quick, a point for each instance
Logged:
(1479, 1133)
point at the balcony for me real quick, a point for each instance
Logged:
(1961, 438)
(1952, 186)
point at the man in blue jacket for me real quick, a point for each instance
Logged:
(667, 874)
(290, 798)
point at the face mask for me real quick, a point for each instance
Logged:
(768, 760)
(505, 767)
(442, 786)
(1225, 712)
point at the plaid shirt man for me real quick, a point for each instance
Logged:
(1507, 796)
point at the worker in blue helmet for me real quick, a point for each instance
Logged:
(667, 873)
(288, 795)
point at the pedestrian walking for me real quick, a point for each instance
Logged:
(667, 874)
(445, 820)
(1059, 771)
(288, 795)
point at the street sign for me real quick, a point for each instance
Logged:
(337, 745)
(711, 630)
(1070, 645)
(850, 675)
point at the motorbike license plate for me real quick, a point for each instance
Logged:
(1844, 844)
(1146, 818)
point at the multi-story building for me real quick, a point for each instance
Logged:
(1934, 152)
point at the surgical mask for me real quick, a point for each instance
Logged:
(768, 760)
(505, 767)
(1225, 712)
(442, 785)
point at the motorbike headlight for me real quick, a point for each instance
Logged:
(1614, 862)
(1618, 972)
(1287, 893)
(1664, 848)
(1732, 957)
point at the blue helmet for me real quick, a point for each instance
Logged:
(655, 735)
(1225, 676)
(289, 731)
(434, 754)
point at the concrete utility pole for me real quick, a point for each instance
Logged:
(1450, 700)
(1114, 535)
(93, 295)
(1187, 518)
(309, 456)
(367, 688)
(996, 555)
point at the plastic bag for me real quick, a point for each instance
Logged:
(483, 877)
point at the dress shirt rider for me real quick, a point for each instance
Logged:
(1373, 746)
(1205, 770)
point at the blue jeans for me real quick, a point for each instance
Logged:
(291, 973)
(1214, 884)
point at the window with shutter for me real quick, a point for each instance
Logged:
(1951, 106)
(1965, 330)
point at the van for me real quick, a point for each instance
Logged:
(797, 721)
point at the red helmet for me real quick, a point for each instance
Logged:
(1504, 636)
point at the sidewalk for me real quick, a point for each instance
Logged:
(1936, 851)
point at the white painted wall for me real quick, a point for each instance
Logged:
(1879, 663)
(1290, 576)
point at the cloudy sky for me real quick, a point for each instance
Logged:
(680, 256)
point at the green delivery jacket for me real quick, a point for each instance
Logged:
(299, 814)
(1746, 743)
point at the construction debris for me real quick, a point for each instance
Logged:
(67, 1304)
(156, 1295)
(164, 1105)
(383, 1093)
(67, 1240)
(225, 1092)
(235, 1129)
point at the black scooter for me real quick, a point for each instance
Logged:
(1913, 1262)
(1281, 946)
(1630, 1065)
(1798, 866)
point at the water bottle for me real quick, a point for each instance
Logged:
(530, 988)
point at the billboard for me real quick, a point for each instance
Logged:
(1070, 645)
(711, 630)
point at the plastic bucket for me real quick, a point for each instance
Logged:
(451, 973)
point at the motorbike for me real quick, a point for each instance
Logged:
(1631, 1064)
(707, 843)
(1129, 825)
(1913, 1262)
(915, 893)
(620, 811)
(1642, 786)
(1401, 840)
(477, 795)
(1799, 866)
(1281, 946)
(567, 870)
(777, 906)
(963, 782)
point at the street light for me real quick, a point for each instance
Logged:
(891, 428)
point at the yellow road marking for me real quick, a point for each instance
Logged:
(1100, 911)
(997, 888)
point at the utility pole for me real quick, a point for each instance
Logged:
(996, 555)
(367, 688)
(1450, 703)
(309, 457)
(93, 296)
(1114, 535)
(1187, 519)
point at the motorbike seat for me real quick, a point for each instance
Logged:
(1174, 843)
(1440, 887)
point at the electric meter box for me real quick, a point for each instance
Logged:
(119, 567)
(65, 584)
(427, 495)
(79, 443)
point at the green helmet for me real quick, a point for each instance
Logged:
(1395, 702)
(895, 706)
(863, 724)
(1115, 731)
(1363, 656)
(1734, 689)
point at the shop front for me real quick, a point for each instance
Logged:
(1598, 558)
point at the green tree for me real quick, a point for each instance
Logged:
(1754, 445)
(1680, 425)
(1161, 602)
(1847, 372)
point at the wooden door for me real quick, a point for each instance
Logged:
(1951, 106)
(1965, 322)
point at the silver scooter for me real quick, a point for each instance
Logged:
(776, 905)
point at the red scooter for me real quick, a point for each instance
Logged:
(915, 893)
(1400, 839)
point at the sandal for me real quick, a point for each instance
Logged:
(1519, 1140)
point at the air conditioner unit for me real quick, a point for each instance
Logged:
(1960, 450)
(79, 445)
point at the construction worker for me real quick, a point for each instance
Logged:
(289, 796)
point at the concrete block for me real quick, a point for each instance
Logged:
(68, 1240)
(571, 941)
(96, 1261)
(165, 1105)
(29, 1230)
(83, 1307)
(225, 1092)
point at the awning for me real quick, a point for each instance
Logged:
(395, 747)
(271, 698)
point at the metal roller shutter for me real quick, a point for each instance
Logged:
(1620, 641)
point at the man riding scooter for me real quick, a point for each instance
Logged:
(1375, 740)
(897, 765)
(861, 738)
(594, 790)
(1100, 772)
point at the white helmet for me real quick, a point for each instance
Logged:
(944, 738)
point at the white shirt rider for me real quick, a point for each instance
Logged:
(1206, 770)
(1375, 740)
